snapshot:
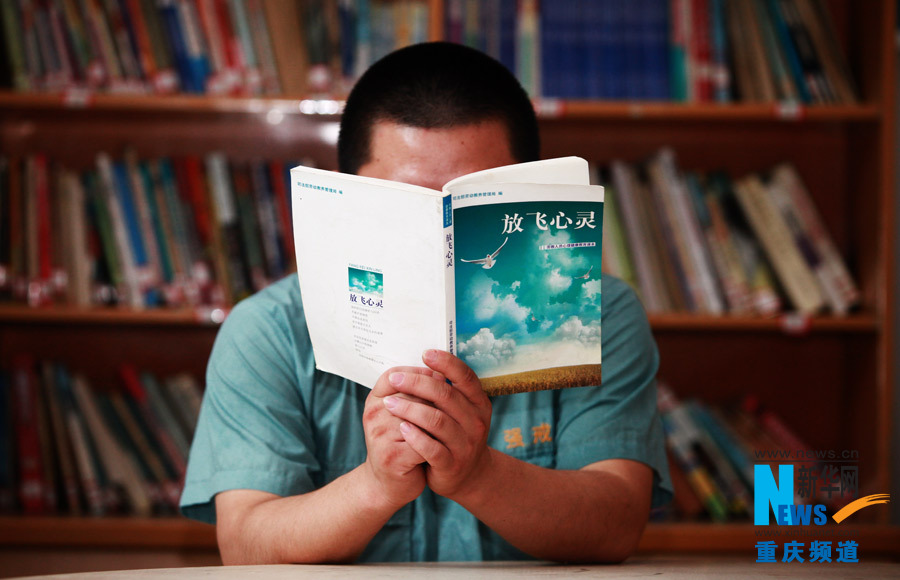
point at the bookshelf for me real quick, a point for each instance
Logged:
(831, 378)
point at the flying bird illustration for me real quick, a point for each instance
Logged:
(584, 276)
(488, 261)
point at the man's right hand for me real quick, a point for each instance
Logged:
(396, 470)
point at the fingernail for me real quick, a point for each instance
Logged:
(404, 427)
(429, 355)
(390, 402)
(396, 378)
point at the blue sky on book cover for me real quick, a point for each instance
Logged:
(528, 288)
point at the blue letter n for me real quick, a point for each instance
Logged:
(766, 492)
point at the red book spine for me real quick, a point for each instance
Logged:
(31, 472)
(702, 51)
(282, 206)
(40, 293)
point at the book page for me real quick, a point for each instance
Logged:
(561, 171)
(370, 259)
(528, 286)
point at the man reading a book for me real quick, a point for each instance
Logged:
(296, 465)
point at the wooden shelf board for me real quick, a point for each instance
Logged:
(52, 531)
(787, 324)
(784, 324)
(547, 109)
(663, 111)
(113, 316)
(59, 531)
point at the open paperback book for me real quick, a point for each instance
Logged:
(501, 268)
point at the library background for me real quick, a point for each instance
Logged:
(748, 150)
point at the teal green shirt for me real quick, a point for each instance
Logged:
(270, 421)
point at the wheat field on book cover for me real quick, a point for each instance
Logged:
(528, 293)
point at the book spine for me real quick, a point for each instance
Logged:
(268, 220)
(7, 445)
(811, 66)
(283, 209)
(119, 467)
(252, 81)
(674, 246)
(129, 275)
(195, 46)
(697, 253)
(842, 290)
(153, 421)
(162, 409)
(775, 237)
(228, 227)
(129, 201)
(645, 261)
(27, 434)
(759, 62)
(82, 450)
(837, 74)
(781, 76)
(449, 259)
(720, 53)
(64, 451)
(250, 234)
(208, 26)
(679, 71)
(15, 45)
(792, 59)
(40, 292)
(183, 392)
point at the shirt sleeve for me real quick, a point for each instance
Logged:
(618, 419)
(253, 430)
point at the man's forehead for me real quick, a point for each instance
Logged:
(433, 156)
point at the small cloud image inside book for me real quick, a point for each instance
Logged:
(365, 281)
(528, 294)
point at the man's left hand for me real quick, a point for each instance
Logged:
(449, 431)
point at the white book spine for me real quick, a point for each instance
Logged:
(449, 259)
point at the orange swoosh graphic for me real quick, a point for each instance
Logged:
(854, 506)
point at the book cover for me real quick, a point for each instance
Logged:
(502, 267)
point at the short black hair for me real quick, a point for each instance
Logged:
(436, 85)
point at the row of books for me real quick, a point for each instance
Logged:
(71, 447)
(714, 244)
(680, 50)
(713, 449)
(189, 231)
(219, 47)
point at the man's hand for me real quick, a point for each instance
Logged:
(391, 462)
(446, 424)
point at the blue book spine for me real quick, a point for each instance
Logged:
(721, 75)
(613, 39)
(592, 29)
(656, 50)
(172, 27)
(550, 49)
(129, 212)
(347, 16)
(783, 35)
(508, 21)
(633, 20)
